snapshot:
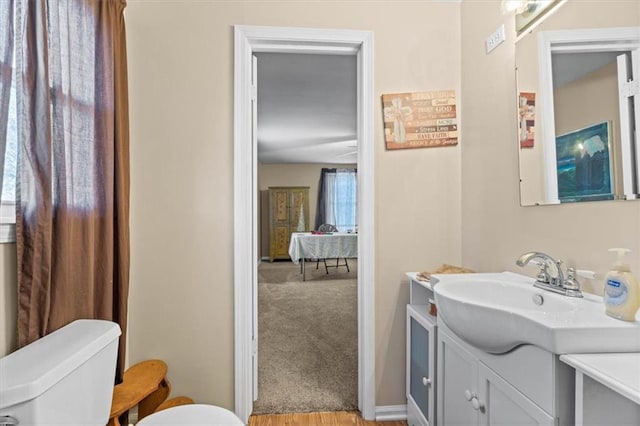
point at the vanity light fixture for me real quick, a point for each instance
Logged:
(529, 13)
(517, 6)
(524, 6)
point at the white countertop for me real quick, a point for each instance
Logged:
(617, 371)
(414, 277)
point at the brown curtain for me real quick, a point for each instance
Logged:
(72, 224)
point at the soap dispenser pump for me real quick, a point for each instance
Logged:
(621, 292)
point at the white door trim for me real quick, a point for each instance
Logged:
(248, 40)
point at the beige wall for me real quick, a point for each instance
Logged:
(181, 97)
(303, 174)
(589, 100)
(8, 299)
(495, 229)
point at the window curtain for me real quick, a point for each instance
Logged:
(6, 73)
(321, 206)
(72, 207)
(337, 199)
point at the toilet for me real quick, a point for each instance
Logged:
(66, 378)
(193, 414)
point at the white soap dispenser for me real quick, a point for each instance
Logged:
(621, 293)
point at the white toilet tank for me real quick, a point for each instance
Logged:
(65, 378)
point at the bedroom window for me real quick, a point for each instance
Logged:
(8, 205)
(337, 199)
(8, 116)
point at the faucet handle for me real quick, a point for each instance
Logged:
(543, 273)
(571, 284)
(572, 273)
(586, 274)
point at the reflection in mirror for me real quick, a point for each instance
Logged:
(587, 110)
(575, 127)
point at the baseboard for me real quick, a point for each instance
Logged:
(388, 413)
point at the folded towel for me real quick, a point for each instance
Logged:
(444, 269)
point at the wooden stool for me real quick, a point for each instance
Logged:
(174, 402)
(143, 384)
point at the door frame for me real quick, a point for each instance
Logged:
(249, 40)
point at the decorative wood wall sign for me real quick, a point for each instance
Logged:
(420, 120)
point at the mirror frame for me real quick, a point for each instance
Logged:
(575, 41)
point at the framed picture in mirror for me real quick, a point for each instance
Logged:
(584, 164)
(527, 118)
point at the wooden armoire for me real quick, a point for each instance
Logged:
(288, 212)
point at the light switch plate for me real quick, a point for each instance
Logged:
(495, 39)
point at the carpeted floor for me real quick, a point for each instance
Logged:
(308, 339)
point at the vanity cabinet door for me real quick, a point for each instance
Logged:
(499, 403)
(421, 341)
(457, 384)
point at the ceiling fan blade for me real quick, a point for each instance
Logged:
(347, 154)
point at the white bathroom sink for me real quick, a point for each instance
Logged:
(497, 312)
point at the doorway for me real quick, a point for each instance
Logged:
(250, 40)
(307, 316)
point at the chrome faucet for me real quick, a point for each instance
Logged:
(551, 277)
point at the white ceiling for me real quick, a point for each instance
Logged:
(569, 67)
(307, 108)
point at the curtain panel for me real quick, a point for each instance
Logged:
(321, 206)
(72, 207)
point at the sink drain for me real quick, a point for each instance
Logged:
(537, 299)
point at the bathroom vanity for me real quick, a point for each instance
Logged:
(504, 353)
(450, 382)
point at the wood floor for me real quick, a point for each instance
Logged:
(338, 418)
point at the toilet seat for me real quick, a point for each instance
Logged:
(192, 414)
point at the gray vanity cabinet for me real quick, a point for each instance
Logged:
(472, 393)
(421, 365)
(501, 404)
(421, 355)
(457, 374)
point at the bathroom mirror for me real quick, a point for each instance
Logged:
(576, 137)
